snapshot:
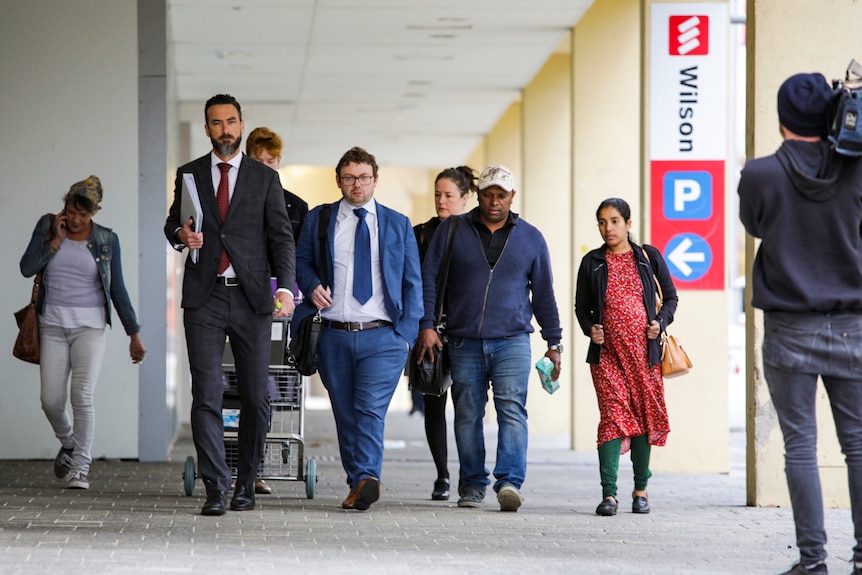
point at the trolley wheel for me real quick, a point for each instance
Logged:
(310, 478)
(189, 475)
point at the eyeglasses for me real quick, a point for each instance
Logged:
(350, 180)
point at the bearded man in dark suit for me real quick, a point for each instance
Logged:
(245, 239)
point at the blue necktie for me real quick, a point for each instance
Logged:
(361, 259)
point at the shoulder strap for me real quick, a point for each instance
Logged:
(37, 284)
(659, 293)
(443, 278)
(323, 255)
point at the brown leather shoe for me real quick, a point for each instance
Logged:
(367, 492)
(261, 488)
(350, 501)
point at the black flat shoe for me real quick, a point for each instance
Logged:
(441, 490)
(214, 504)
(243, 498)
(640, 505)
(607, 507)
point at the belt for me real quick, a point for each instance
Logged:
(356, 325)
(227, 282)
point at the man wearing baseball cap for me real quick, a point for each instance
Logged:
(499, 277)
(805, 203)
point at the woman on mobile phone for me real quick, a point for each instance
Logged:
(82, 277)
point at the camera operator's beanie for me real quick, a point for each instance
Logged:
(803, 104)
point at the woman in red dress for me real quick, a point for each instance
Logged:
(615, 304)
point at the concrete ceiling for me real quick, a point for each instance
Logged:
(415, 82)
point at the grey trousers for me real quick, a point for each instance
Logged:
(797, 347)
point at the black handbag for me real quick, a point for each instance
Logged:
(426, 377)
(430, 378)
(302, 349)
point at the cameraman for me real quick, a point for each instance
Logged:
(805, 203)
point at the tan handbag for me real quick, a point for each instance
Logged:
(674, 359)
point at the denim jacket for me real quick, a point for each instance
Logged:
(105, 247)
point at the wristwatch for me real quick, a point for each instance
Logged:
(558, 347)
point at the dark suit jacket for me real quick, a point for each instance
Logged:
(399, 258)
(256, 225)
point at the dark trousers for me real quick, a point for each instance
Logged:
(228, 313)
(435, 432)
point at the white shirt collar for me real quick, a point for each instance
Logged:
(235, 161)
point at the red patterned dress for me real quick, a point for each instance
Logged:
(630, 392)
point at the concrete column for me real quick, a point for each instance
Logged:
(545, 194)
(157, 412)
(825, 37)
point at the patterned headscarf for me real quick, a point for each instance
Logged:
(91, 188)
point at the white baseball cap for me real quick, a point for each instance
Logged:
(497, 175)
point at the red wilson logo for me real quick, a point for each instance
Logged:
(689, 35)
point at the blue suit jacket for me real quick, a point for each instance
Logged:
(399, 256)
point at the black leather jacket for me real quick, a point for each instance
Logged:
(593, 283)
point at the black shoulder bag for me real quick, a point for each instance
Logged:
(302, 350)
(426, 377)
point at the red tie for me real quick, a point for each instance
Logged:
(223, 200)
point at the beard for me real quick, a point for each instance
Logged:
(226, 148)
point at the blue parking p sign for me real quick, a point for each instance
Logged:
(687, 195)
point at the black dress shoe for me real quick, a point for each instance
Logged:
(214, 504)
(243, 498)
(441, 490)
(640, 505)
(607, 507)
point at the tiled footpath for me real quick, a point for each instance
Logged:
(136, 518)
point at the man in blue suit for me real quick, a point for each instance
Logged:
(370, 294)
(245, 239)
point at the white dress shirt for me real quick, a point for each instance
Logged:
(344, 306)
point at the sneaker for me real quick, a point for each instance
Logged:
(77, 479)
(509, 498)
(62, 463)
(800, 569)
(471, 497)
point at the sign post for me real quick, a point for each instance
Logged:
(688, 140)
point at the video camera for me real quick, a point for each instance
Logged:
(845, 127)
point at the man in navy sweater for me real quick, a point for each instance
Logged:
(805, 203)
(499, 277)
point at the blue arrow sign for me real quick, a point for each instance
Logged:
(688, 256)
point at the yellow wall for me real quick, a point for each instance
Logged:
(606, 121)
(545, 193)
(825, 37)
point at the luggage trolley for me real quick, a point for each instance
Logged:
(284, 450)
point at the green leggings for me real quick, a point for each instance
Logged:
(609, 464)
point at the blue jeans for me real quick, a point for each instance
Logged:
(797, 347)
(504, 365)
(360, 370)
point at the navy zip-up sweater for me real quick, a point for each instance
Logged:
(485, 303)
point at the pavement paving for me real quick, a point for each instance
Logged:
(136, 518)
